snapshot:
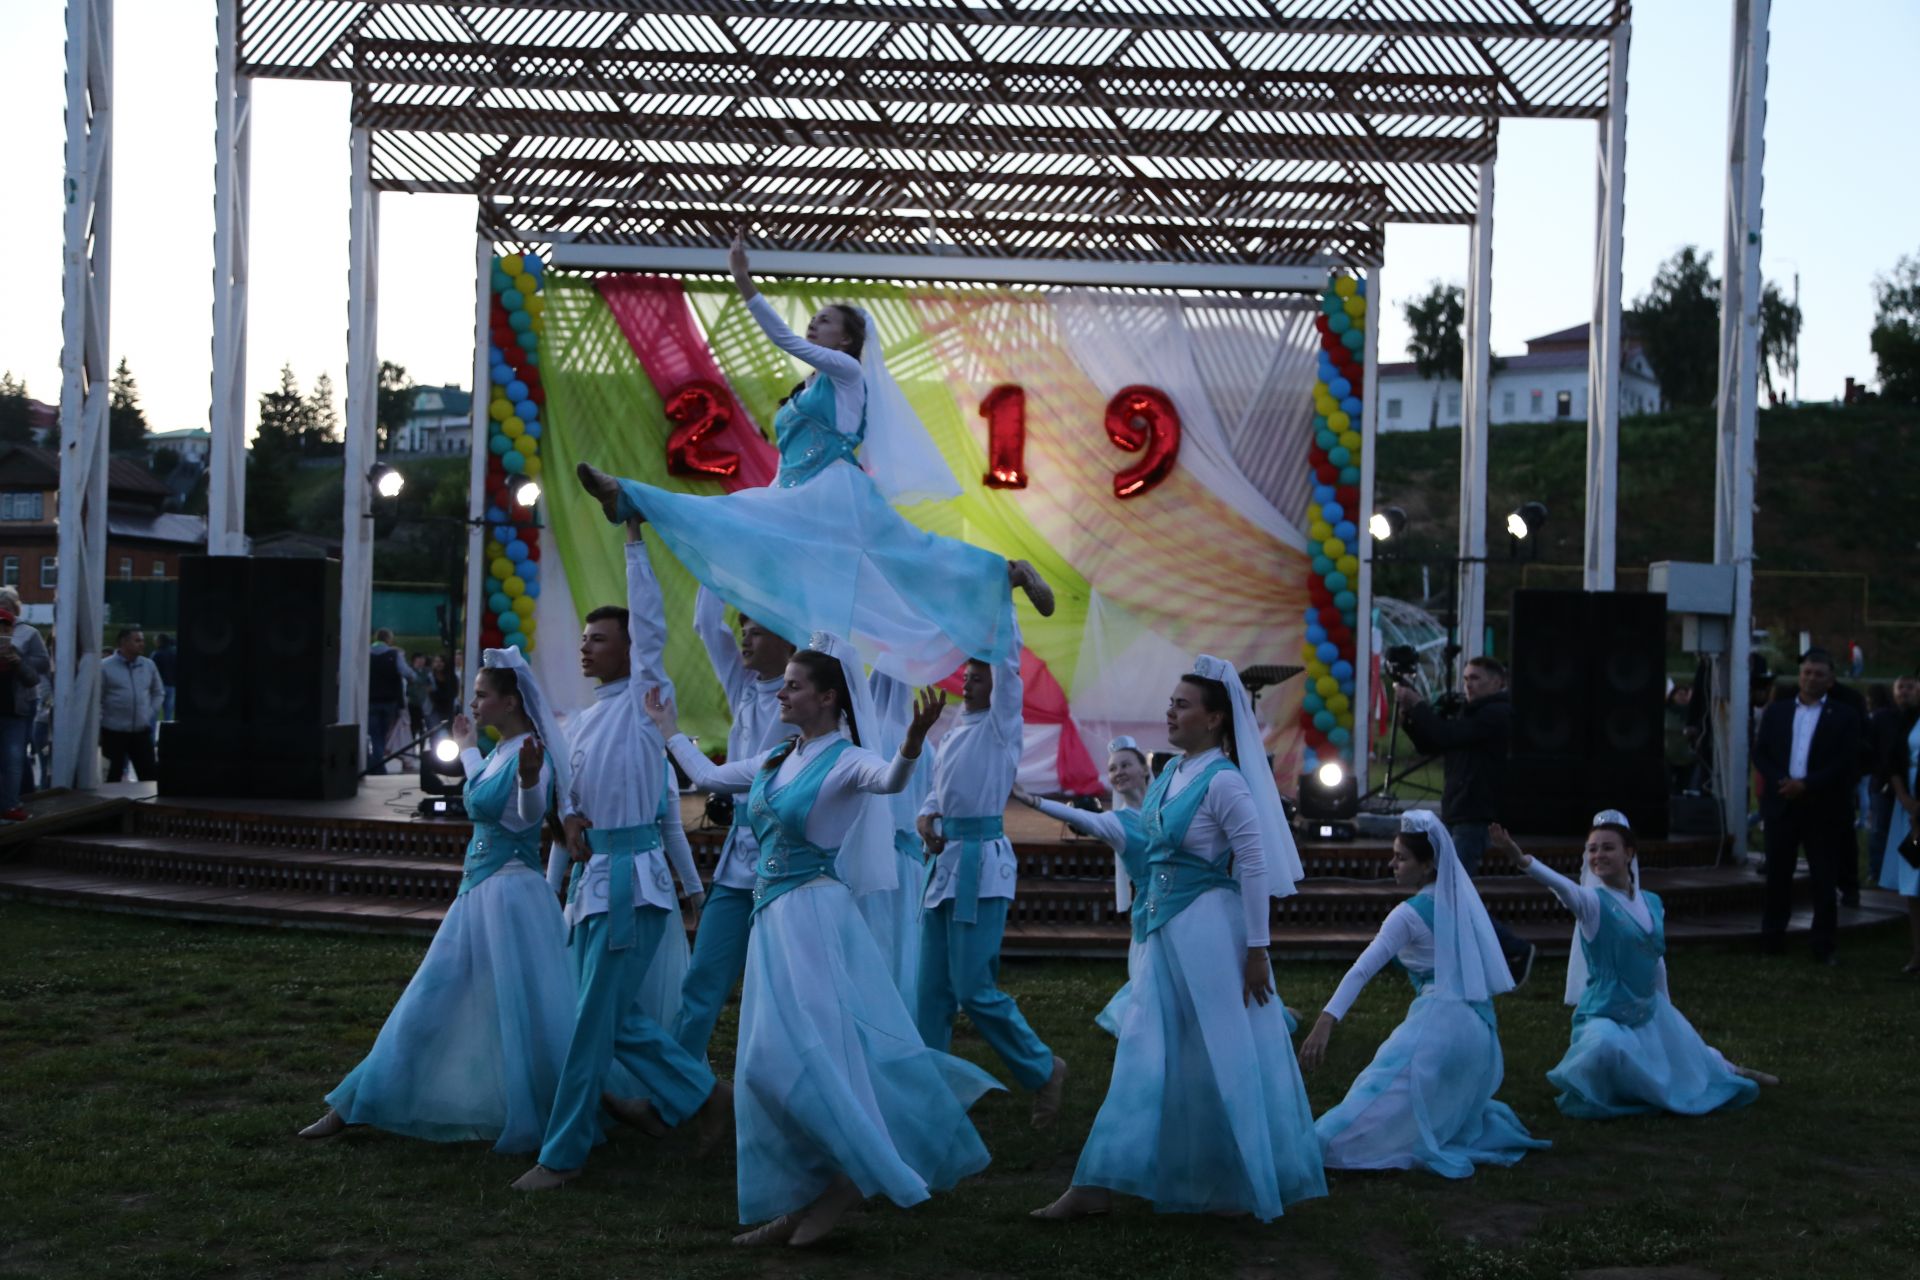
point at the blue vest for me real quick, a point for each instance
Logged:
(779, 818)
(1176, 878)
(1423, 903)
(1622, 961)
(806, 435)
(493, 846)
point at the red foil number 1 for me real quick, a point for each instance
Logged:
(1005, 410)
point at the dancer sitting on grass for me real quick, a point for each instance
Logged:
(472, 1050)
(1206, 1112)
(1120, 830)
(837, 1098)
(1632, 1051)
(820, 549)
(1426, 1100)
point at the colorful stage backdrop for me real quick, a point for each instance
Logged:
(1150, 456)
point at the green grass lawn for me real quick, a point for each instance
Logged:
(152, 1075)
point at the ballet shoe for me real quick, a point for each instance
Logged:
(638, 1112)
(326, 1126)
(820, 1216)
(1078, 1202)
(779, 1231)
(603, 487)
(714, 1120)
(541, 1178)
(1046, 1100)
(1028, 579)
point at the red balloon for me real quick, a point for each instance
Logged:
(1327, 472)
(1348, 496)
(533, 551)
(698, 411)
(1320, 323)
(536, 392)
(1143, 418)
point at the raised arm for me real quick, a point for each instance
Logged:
(673, 838)
(1104, 827)
(1582, 901)
(731, 778)
(646, 621)
(723, 651)
(837, 365)
(862, 770)
(1006, 702)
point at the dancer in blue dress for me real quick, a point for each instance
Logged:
(1896, 873)
(1206, 1112)
(820, 549)
(473, 1048)
(1120, 830)
(1632, 1052)
(836, 1098)
(1426, 1100)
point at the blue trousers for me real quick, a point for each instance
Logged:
(719, 959)
(960, 969)
(608, 1023)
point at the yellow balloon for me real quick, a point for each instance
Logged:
(1316, 668)
(1342, 285)
(513, 264)
(513, 584)
(1324, 403)
(495, 549)
(1339, 421)
(502, 569)
(528, 623)
(1320, 389)
(1344, 719)
(499, 410)
(1319, 531)
(523, 605)
(1348, 565)
(514, 428)
(1356, 307)
(1326, 686)
(1338, 702)
(527, 446)
(536, 303)
(1334, 548)
(1308, 651)
(1313, 513)
(532, 470)
(1349, 439)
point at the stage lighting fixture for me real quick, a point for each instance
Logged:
(446, 751)
(1331, 774)
(387, 481)
(1526, 519)
(1387, 523)
(1329, 800)
(528, 493)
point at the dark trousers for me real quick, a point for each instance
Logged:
(1470, 844)
(380, 719)
(121, 746)
(1825, 833)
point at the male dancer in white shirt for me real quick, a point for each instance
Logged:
(973, 884)
(622, 892)
(750, 674)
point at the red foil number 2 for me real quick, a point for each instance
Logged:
(699, 410)
(1143, 418)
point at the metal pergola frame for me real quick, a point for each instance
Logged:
(1211, 144)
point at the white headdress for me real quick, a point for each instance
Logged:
(1124, 742)
(867, 861)
(1577, 958)
(898, 453)
(1467, 963)
(1250, 751)
(535, 703)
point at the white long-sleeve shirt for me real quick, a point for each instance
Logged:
(1226, 819)
(757, 727)
(849, 387)
(973, 774)
(1104, 827)
(857, 774)
(1584, 902)
(1403, 936)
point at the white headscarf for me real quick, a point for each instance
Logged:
(1250, 752)
(1577, 958)
(867, 862)
(1467, 963)
(535, 703)
(899, 454)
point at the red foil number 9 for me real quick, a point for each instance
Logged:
(700, 410)
(1143, 418)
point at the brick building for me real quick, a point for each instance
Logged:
(144, 540)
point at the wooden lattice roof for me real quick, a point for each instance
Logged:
(1268, 131)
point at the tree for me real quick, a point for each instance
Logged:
(286, 417)
(1779, 340)
(1896, 330)
(395, 402)
(126, 421)
(1436, 320)
(1679, 325)
(16, 415)
(324, 427)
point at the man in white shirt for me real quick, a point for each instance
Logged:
(618, 905)
(750, 673)
(973, 883)
(131, 696)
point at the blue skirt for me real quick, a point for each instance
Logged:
(472, 1051)
(831, 1076)
(893, 916)
(1426, 1100)
(1896, 873)
(1206, 1112)
(1612, 1069)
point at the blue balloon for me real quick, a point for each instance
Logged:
(1339, 456)
(1339, 736)
(533, 359)
(518, 641)
(528, 569)
(1346, 532)
(1359, 287)
(1341, 323)
(1324, 493)
(533, 586)
(1313, 615)
(1336, 581)
(1333, 513)
(1320, 422)
(529, 340)
(516, 390)
(494, 584)
(496, 354)
(1315, 633)
(1346, 686)
(499, 282)
(512, 300)
(533, 428)
(1310, 762)
(516, 551)
(1343, 670)
(1325, 722)
(1333, 304)
(531, 264)
(1349, 617)
(1345, 601)
(495, 515)
(526, 411)
(506, 619)
(499, 444)
(1353, 339)
(1349, 475)
(1327, 651)
(1340, 387)
(520, 322)
(1313, 701)
(1351, 406)
(499, 602)
(1322, 566)
(502, 533)
(1325, 438)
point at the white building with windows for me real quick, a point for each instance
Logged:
(440, 421)
(1547, 384)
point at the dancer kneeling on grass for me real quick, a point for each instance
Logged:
(473, 1049)
(1632, 1051)
(1206, 1111)
(820, 549)
(836, 1097)
(1120, 830)
(1426, 1100)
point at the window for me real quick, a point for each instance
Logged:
(1506, 404)
(1393, 409)
(1534, 403)
(160, 569)
(49, 571)
(10, 572)
(1453, 405)
(21, 506)
(1563, 404)
(126, 568)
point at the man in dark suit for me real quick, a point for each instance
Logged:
(1808, 754)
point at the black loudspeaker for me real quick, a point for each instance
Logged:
(1548, 676)
(293, 616)
(303, 762)
(1628, 699)
(211, 678)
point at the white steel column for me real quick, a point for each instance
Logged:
(477, 474)
(1475, 415)
(79, 607)
(1603, 338)
(1738, 402)
(363, 394)
(232, 196)
(1362, 521)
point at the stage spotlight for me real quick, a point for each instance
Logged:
(439, 769)
(1387, 522)
(445, 751)
(1526, 519)
(1331, 774)
(387, 481)
(527, 494)
(1329, 800)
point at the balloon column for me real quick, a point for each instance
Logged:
(513, 445)
(1333, 534)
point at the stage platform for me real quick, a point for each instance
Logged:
(369, 864)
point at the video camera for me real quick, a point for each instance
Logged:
(1403, 666)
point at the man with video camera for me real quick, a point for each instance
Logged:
(1470, 736)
